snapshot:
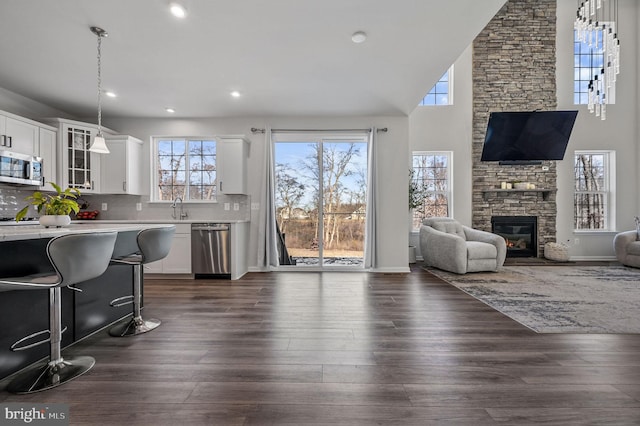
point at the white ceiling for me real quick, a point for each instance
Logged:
(286, 57)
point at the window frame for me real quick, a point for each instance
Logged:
(153, 198)
(609, 173)
(449, 74)
(580, 83)
(448, 193)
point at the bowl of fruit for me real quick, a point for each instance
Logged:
(87, 214)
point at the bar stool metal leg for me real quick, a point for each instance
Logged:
(136, 325)
(57, 370)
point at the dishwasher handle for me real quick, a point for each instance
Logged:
(224, 227)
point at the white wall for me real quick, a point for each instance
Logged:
(392, 166)
(449, 128)
(618, 132)
(25, 107)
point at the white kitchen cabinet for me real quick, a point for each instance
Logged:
(47, 151)
(231, 163)
(121, 167)
(77, 166)
(178, 261)
(18, 135)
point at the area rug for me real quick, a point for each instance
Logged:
(559, 299)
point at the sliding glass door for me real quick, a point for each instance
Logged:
(321, 200)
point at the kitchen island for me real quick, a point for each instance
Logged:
(23, 249)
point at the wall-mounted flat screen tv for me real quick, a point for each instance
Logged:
(527, 136)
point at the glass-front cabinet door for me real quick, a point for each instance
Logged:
(82, 165)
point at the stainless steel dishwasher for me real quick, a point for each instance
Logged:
(211, 250)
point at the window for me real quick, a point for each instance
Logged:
(185, 168)
(593, 203)
(441, 93)
(588, 63)
(431, 178)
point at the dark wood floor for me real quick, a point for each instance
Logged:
(348, 349)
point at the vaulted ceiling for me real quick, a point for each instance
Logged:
(285, 57)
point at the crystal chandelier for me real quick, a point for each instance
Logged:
(99, 145)
(596, 25)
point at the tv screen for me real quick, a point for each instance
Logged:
(527, 136)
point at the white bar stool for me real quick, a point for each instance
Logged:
(75, 258)
(153, 244)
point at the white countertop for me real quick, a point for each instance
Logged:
(171, 221)
(31, 232)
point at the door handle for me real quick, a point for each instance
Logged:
(10, 143)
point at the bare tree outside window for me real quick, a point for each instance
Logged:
(431, 175)
(591, 191)
(321, 198)
(186, 168)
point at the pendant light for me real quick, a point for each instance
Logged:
(596, 24)
(99, 145)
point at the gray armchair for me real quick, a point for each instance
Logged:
(447, 244)
(627, 248)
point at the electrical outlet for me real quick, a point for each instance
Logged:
(255, 206)
(576, 241)
(104, 207)
(227, 206)
(236, 206)
(139, 207)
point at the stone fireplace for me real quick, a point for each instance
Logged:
(514, 67)
(519, 232)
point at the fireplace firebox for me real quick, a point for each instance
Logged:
(519, 232)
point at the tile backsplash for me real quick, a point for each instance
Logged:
(123, 207)
(12, 200)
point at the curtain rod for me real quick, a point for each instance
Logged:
(256, 130)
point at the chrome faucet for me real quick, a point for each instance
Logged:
(174, 205)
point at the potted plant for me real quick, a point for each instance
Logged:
(54, 209)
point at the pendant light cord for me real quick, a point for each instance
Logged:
(99, 85)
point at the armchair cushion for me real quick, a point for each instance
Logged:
(634, 248)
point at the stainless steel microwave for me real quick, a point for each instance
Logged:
(20, 169)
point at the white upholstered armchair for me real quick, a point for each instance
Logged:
(627, 247)
(447, 244)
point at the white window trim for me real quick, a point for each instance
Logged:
(154, 171)
(449, 93)
(612, 94)
(610, 181)
(449, 194)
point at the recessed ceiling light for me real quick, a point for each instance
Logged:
(110, 94)
(170, 110)
(359, 37)
(178, 10)
(235, 94)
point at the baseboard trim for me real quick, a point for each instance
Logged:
(593, 258)
(392, 270)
